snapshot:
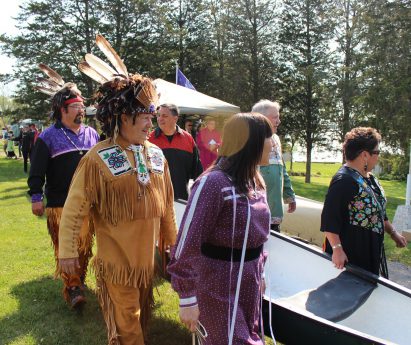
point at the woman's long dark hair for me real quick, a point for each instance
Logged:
(242, 165)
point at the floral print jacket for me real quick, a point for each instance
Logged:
(364, 210)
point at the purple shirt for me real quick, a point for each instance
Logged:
(54, 159)
(60, 139)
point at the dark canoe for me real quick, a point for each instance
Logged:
(311, 302)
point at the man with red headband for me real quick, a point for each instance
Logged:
(55, 157)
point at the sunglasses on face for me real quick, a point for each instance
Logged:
(374, 152)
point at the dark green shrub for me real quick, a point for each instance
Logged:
(394, 166)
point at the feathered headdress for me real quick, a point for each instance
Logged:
(51, 85)
(116, 82)
(61, 93)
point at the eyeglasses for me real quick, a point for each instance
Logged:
(374, 152)
(78, 107)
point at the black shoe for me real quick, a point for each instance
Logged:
(77, 298)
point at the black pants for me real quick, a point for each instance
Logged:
(25, 159)
(275, 227)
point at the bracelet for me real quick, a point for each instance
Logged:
(338, 245)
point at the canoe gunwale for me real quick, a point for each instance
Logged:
(351, 268)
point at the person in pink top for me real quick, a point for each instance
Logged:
(208, 142)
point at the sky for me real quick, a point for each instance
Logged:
(7, 25)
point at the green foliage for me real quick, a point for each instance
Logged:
(394, 166)
(305, 30)
(332, 65)
(386, 76)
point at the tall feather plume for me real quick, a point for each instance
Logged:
(85, 68)
(45, 90)
(48, 84)
(100, 66)
(111, 54)
(52, 74)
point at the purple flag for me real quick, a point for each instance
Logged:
(182, 80)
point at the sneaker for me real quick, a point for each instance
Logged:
(77, 297)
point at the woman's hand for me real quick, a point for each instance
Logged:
(399, 240)
(263, 285)
(339, 258)
(189, 317)
(69, 266)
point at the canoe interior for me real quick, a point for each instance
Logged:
(294, 268)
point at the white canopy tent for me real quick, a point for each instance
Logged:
(192, 102)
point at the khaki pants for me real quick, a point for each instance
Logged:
(126, 311)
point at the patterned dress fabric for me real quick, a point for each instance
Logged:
(209, 219)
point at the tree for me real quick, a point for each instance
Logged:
(386, 80)
(49, 34)
(348, 65)
(305, 31)
(251, 47)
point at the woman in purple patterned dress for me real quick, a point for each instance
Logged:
(217, 263)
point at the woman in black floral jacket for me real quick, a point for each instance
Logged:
(354, 218)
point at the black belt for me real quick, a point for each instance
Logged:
(224, 253)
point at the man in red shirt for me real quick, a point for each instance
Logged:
(179, 149)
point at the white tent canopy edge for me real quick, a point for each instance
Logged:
(192, 102)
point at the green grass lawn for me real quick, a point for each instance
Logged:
(32, 311)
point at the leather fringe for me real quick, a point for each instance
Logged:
(114, 199)
(53, 225)
(135, 277)
(146, 311)
(108, 310)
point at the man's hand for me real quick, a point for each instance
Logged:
(69, 266)
(37, 208)
(339, 258)
(189, 317)
(292, 207)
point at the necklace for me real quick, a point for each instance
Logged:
(142, 170)
(80, 150)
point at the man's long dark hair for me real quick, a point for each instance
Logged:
(68, 91)
(242, 165)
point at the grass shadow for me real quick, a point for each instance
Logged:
(166, 331)
(43, 315)
(21, 193)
